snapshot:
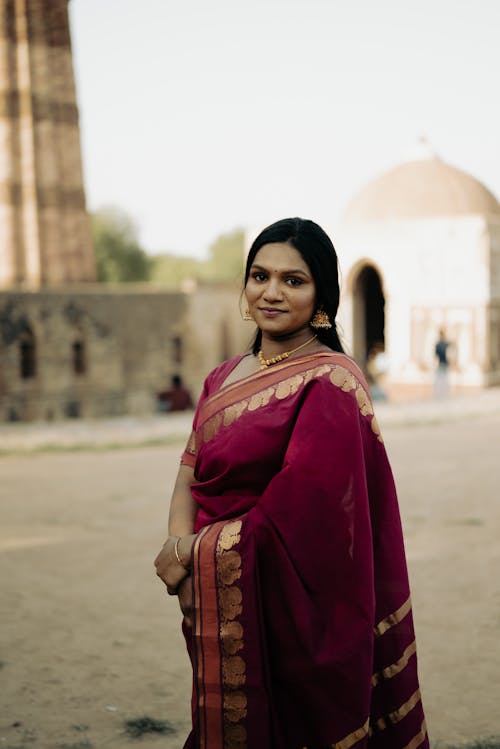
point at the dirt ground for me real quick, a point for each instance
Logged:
(90, 639)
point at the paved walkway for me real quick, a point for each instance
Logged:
(174, 428)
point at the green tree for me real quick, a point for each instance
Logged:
(119, 256)
(227, 256)
(225, 263)
(171, 270)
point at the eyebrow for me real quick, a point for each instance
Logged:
(284, 272)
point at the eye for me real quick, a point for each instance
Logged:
(258, 276)
(293, 281)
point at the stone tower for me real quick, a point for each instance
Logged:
(44, 228)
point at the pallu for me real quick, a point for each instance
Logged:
(302, 632)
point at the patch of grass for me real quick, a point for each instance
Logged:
(79, 745)
(137, 727)
(167, 441)
(470, 521)
(488, 743)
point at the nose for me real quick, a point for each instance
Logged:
(272, 292)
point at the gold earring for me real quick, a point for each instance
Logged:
(320, 320)
(247, 315)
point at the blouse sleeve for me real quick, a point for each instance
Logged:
(190, 454)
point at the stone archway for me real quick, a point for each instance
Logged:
(368, 313)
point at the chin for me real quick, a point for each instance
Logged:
(277, 330)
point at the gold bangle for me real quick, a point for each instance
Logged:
(177, 555)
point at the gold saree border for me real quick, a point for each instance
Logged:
(218, 637)
(419, 738)
(394, 618)
(221, 410)
(395, 668)
(397, 715)
(352, 738)
(231, 634)
(394, 717)
(224, 395)
(205, 641)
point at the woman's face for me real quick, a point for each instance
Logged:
(280, 290)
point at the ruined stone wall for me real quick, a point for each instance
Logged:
(98, 352)
(124, 342)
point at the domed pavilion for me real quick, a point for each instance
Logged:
(420, 252)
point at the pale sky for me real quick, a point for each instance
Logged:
(199, 116)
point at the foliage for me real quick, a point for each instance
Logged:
(225, 263)
(119, 257)
(170, 270)
(226, 256)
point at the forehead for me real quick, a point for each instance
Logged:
(280, 256)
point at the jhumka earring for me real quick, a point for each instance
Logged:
(247, 315)
(320, 320)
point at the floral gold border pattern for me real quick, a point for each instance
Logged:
(231, 635)
(191, 444)
(338, 375)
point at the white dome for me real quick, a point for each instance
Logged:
(421, 188)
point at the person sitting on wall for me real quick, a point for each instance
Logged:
(176, 398)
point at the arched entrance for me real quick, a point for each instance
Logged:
(368, 306)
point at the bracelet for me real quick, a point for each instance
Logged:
(177, 555)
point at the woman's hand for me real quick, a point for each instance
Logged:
(168, 567)
(185, 593)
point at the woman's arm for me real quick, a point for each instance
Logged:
(182, 505)
(172, 563)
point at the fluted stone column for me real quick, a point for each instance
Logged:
(44, 228)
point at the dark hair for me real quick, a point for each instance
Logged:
(319, 254)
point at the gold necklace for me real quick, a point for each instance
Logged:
(264, 363)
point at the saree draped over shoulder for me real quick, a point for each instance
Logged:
(303, 634)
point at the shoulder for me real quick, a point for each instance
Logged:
(338, 370)
(216, 377)
(338, 378)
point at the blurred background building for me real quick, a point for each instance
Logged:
(419, 250)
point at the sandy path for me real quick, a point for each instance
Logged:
(86, 625)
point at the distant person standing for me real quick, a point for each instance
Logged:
(376, 369)
(176, 398)
(441, 352)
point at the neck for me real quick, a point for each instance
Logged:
(275, 345)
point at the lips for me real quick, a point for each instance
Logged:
(271, 311)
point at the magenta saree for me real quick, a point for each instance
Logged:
(303, 635)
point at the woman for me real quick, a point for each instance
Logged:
(285, 544)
